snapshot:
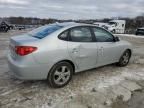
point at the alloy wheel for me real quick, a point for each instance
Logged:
(61, 75)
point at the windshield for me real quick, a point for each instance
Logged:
(112, 23)
(44, 31)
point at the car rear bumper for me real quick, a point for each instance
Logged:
(28, 72)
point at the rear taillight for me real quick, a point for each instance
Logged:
(24, 50)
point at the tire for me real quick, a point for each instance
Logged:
(136, 33)
(114, 31)
(6, 30)
(124, 59)
(60, 74)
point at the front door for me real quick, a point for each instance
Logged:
(108, 50)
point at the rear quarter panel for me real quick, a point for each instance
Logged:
(51, 50)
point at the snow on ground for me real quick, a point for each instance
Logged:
(131, 35)
(92, 88)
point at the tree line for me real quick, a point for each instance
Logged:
(131, 23)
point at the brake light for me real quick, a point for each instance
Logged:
(24, 50)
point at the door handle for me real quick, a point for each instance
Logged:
(101, 50)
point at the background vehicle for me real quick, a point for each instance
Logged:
(100, 24)
(117, 26)
(57, 51)
(114, 26)
(140, 31)
(20, 27)
(4, 27)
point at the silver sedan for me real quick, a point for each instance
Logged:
(56, 51)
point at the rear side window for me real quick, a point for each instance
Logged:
(103, 35)
(44, 31)
(81, 34)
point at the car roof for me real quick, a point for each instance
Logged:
(66, 24)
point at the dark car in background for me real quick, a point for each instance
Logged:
(140, 31)
(4, 27)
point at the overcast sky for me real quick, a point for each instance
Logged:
(72, 9)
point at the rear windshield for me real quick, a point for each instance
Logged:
(44, 31)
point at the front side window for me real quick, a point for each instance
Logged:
(81, 34)
(102, 35)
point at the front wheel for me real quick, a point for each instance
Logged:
(60, 74)
(124, 60)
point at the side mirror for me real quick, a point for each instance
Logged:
(117, 39)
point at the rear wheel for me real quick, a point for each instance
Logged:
(60, 74)
(124, 60)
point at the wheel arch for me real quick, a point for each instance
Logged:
(65, 60)
(69, 61)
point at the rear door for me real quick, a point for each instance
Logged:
(82, 48)
(108, 50)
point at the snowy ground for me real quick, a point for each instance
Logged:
(131, 35)
(96, 88)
